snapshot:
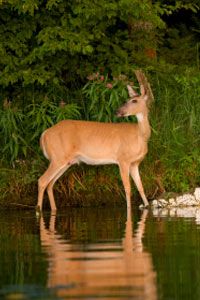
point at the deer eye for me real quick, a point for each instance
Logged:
(134, 101)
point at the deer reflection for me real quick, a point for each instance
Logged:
(112, 269)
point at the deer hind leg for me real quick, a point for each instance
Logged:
(138, 182)
(49, 175)
(51, 184)
(124, 172)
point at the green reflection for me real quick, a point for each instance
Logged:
(174, 243)
(22, 264)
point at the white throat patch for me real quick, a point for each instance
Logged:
(140, 117)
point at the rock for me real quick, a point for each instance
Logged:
(197, 194)
(198, 216)
(179, 200)
(154, 203)
(192, 201)
(162, 203)
(172, 202)
(186, 200)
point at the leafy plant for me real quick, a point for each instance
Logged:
(103, 95)
(44, 115)
(12, 133)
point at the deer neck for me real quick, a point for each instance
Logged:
(143, 124)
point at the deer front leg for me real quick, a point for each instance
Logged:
(124, 172)
(136, 177)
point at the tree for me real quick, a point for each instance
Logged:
(49, 46)
(56, 43)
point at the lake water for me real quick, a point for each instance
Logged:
(100, 253)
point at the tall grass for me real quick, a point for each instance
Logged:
(13, 142)
(20, 129)
(175, 142)
(44, 115)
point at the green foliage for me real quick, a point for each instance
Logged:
(11, 132)
(52, 45)
(104, 96)
(168, 8)
(20, 130)
(47, 114)
(175, 42)
(58, 42)
(175, 142)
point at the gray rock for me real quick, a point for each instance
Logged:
(197, 194)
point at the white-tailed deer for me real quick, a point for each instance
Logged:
(95, 143)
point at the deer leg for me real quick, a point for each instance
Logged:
(45, 179)
(50, 187)
(136, 177)
(124, 172)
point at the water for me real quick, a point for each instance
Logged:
(100, 254)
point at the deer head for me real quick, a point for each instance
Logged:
(135, 105)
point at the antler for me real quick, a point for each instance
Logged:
(145, 87)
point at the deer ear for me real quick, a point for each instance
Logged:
(131, 92)
(143, 92)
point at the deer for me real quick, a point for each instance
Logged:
(125, 144)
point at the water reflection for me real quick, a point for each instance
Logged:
(104, 269)
(181, 212)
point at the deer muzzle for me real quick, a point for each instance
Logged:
(121, 112)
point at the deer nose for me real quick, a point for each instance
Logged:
(119, 113)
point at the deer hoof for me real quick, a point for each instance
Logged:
(38, 211)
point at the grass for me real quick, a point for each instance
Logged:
(175, 141)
